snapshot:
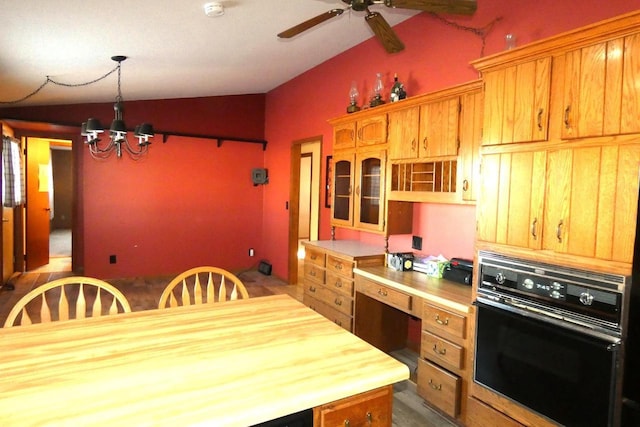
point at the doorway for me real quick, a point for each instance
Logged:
(304, 200)
(49, 191)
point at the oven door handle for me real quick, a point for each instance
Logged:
(550, 318)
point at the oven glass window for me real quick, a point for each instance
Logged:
(559, 373)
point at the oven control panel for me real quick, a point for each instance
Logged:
(571, 291)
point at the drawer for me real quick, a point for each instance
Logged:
(385, 294)
(313, 273)
(437, 320)
(314, 256)
(439, 387)
(338, 301)
(330, 313)
(339, 284)
(340, 266)
(441, 351)
(372, 408)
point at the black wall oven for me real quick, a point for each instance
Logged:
(550, 339)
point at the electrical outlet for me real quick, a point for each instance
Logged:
(112, 259)
(416, 243)
(251, 252)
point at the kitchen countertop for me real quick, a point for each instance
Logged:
(352, 248)
(441, 291)
(235, 363)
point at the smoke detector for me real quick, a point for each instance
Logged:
(213, 9)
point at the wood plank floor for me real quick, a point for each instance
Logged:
(143, 293)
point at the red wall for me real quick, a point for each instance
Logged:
(187, 203)
(436, 56)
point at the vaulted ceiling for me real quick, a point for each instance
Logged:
(174, 50)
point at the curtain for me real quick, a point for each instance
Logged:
(13, 193)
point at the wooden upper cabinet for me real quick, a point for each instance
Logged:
(344, 135)
(517, 102)
(403, 133)
(578, 201)
(343, 183)
(601, 93)
(369, 190)
(371, 130)
(470, 141)
(439, 128)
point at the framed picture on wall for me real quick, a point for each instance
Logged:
(328, 189)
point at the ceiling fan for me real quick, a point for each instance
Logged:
(378, 24)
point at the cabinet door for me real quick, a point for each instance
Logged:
(592, 201)
(344, 135)
(512, 202)
(600, 83)
(344, 173)
(439, 128)
(403, 133)
(517, 103)
(470, 140)
(369, 194)
(372, 131)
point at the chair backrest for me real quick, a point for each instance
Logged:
(187, 287)
(77, 297)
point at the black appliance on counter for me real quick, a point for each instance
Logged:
(459, 270)
(551, 338)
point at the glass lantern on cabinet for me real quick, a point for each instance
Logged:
(377, 92)
(353, 96)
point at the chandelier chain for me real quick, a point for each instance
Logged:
(482, 32)
(57, 83)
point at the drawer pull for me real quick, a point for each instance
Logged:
(369, 418)
(314, 257)
(338, 284)
(312, 288)
(346, 423)
(312, 273)
(338, 301)
(441, 322)
(382, 292)
(337, 322)
(435, 387)
(442, 352)
(338, 266)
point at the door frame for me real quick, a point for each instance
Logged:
(294, 201)
(64, 132)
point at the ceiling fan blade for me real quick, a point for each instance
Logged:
(294, 31)
(383, 31)
(453, 7)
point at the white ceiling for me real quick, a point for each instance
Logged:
(174, 50)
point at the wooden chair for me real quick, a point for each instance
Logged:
(73, 295)
(221, 285)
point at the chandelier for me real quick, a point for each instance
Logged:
(118, 142)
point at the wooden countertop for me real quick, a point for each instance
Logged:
(351, 248)
(229, 364)
(443, 292)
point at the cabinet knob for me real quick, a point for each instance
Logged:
(567, 110)
(441, 352)
(465, 185)
(444, 322)
(540, 111)
(533, 229)
(382, 292)
(559, 231)
(434, 386)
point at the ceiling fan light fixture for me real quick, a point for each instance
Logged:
(213, 9)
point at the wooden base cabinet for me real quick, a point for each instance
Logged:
(373, 409)
(443, 371)
(328, 278)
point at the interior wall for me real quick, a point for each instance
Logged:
(436, 56)
(187, 203)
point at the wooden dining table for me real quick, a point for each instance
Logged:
(236, 363)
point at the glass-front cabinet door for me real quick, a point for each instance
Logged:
(342, 204)
(369, 202)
